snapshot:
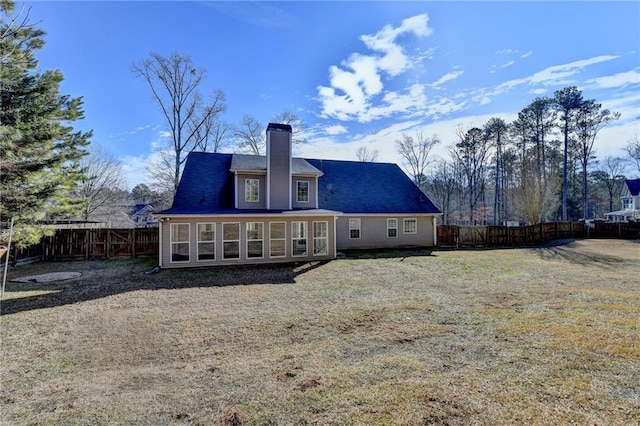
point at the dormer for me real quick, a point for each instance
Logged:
(277, 181)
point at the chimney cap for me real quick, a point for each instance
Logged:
(277, 127)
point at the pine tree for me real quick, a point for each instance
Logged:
(39, 149)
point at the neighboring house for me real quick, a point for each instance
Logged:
(630, 203)
(142, 216)
(234, 208)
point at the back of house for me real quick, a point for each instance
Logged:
(236, 209)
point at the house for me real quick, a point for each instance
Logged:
(234, 208)
(142, 216)
(630, 203)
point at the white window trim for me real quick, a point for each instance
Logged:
(359, 228)
(306, 238)
(326, 238)
(247, 240)
(298, 200)
(198, 241)
(246, 186)
(389, 220)
(404, 225)
(230, 241)
(172, 242)
(278, 239)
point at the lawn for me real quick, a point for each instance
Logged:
(547, 335)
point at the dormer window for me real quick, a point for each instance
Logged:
(252, 190)
(302, 191)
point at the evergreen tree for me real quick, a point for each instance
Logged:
(39, 149)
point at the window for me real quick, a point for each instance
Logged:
(206, 241)
(410, 226)
(251, 190)
(354, 229)
(277, 244)
(230, 240)
(627, 203)
(299, 238)
(180, 242)
(320, 238)
(302, 191)
(392, 228)
(255, 239)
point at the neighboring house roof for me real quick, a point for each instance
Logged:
(258, 163)
(634, 186)
(141, 209)
(206, 187)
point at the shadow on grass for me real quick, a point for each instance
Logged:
(569, 251)
(100, 279)
(402, 253)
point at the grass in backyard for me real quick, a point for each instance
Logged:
(520, 336)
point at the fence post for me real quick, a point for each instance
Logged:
(133, 243)
(108, 243)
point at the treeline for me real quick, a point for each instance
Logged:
(541, 167)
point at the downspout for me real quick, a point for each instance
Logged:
(335, 235)
(435, 231)
(235, 183)
(161, 224)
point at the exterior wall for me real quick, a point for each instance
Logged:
(279, 169)
(165, 251)
(262, 193)
(373, 232)
(313, 190)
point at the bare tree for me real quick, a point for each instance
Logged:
(633, 151)
(364, 155)
(471, 154)
(590, 119)
(208, 129)
(415, 153)
(251, 137)
(104, 180)
(174, 82)
(442, 187)
(613, 168)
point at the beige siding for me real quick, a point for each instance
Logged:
(373, 233)
(279, 169)
(262, 194)
(219, 220)
(312, 192)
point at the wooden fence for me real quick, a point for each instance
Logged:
(85, 244)
(493, 236)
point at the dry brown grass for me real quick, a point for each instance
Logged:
(526, 336)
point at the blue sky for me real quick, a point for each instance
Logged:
(359, 73)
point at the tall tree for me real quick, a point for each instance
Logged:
(471, 153)
(39, 149)
(495, 130)
(415, 151)
(100, 190)
(175, 84)
(567, 101)
(365, 155)
(590, 119)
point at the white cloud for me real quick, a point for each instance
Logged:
(336, 129)
(355, 83)
(508, 64)
(134, 168)
(526, 55)
(616, 80)
(447, 77)
(540, 91)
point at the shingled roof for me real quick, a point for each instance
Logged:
(206, 187)
(634, 186)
